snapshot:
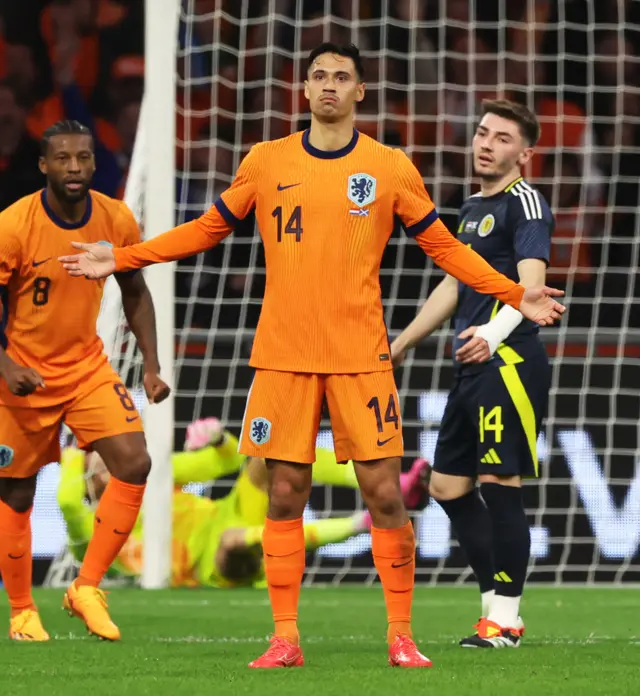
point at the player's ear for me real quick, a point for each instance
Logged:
(360, 90)
(525, 156)
(306, 89)
(42, 165)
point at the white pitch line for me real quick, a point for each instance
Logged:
(590, 640)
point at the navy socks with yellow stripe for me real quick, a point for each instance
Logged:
(511, 549)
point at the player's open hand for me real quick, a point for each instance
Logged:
(539, 306)
(21, 380)
(97, 261)
(156, 388)
(474, 351)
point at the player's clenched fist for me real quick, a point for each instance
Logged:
(156, 388)
(22, 381)
(97, 261)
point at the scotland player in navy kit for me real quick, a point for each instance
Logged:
(502, 374)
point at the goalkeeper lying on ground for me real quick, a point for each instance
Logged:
(215, 542)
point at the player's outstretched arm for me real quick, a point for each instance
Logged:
(100, 261)
(180, 242)
(139, 311)
(439, 306)
(417, 212)
(460, 261)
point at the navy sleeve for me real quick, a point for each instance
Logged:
(532, 224)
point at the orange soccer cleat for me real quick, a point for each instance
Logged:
(282, 653)
(27, 626)
(404, 653)
(90, 604)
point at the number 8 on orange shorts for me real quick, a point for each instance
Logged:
(98, 408)
(283, 414)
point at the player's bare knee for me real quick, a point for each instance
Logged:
(126, 457)
(445, 487)
(286, 500)
(137, 469)
(385, 500)
(18, 494)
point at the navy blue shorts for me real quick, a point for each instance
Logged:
(492, 420)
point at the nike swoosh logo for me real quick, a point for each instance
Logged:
(288, 659)
(39, 263)
(399, 565)
(115, 531)
(283, 188)
(130, 419)
(380, 443)
(15, 558)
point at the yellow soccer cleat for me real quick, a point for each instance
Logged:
(90, 604)
(27, 626)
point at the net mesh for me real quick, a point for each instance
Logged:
(428, 65)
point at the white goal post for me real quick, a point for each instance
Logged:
(158, 126)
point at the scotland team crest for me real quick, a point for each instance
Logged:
(487, 223)
(361, 189)
(260, 431)
(6, 456)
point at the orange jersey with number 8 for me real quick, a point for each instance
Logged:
(49, 318)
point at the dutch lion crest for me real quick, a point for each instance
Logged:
(361, 189)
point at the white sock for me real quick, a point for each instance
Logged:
(504, 611)
(486, 598)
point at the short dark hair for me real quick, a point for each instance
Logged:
(62, 128)
(518, 113)
(349, 51)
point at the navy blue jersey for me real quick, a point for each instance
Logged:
(504, 229)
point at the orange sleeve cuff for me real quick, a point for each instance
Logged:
(468, 267)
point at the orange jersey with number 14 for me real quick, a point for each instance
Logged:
(325, 219)
(49, 318)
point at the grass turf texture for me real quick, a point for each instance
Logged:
(193, 642)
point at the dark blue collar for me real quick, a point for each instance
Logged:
(329, 154)
(63, 223)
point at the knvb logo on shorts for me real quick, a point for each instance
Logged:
(361, 189)
(6, 456)
(260, 432)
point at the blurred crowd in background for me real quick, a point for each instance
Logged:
(428, 63)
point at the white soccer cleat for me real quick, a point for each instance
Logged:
(202, 433)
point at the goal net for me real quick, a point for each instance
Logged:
(240, 68)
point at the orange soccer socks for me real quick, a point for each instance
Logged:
(15, 557)
(115, 517)
(394, 558)
(284, 561)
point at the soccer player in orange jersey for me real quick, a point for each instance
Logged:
(325, 202)
(53, 368)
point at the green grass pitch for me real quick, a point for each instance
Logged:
(193, 642)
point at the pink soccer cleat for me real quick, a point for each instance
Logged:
(415, 485)
(282, 653)
(202, 433)
(404, 653)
